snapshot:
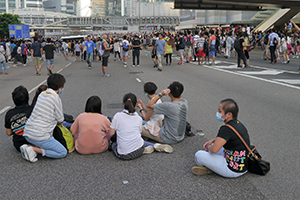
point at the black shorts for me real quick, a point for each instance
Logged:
(153, 56)
(104, 61)
(77, 53)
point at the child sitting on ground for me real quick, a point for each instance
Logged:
(128, 127)
(16, 118)
(90, 129)
(47, 113)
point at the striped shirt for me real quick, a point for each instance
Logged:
(45, 115)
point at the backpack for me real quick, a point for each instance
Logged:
(65, 137)
(275, 41)
(26, 52)
(266, 39)
(14, 52)
(182, 43)
(101, 51)
(205, 47)
(188, 41)
(237, 45)
(125, 47)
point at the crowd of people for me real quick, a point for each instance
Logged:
(128, 134)
(200, 45)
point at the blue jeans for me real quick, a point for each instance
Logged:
(52, 147)
(4, 65)
(215, 162)
(89, 58)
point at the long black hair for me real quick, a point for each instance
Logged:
(129, 101)
(93, 105)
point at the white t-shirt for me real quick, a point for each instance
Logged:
(117, 46)
(128, 128)
(153, 124)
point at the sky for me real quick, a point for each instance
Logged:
(85, 10)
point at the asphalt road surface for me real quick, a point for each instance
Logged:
(268, 98)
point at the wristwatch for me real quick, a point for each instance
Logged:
(160, 95)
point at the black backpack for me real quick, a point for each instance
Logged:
(188, 41)
(237, 44)
(14, 52)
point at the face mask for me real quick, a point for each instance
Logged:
(146, 95)
(60, 91)
(219, 117)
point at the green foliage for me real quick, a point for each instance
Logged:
(5, 20)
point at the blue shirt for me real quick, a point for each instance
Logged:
(89, 47)
(272, 36)
(36, 47)
(12, 46)
(160, 44)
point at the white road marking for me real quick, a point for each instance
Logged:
(253, 77)
(289, 81)
(227, 67)
(4, 109)
(264, 72)
(34, 89)
(138, 80)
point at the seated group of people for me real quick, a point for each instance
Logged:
(163, 122)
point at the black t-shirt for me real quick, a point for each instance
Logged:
(15, 119)
(36, 47)
(235, 151)
(49, 48)
(136, 42)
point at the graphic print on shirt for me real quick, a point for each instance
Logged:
(235, 159)
(18, 122)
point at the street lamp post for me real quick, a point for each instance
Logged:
(139, 14)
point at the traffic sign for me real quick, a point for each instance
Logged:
(19, 31)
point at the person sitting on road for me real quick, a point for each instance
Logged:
(152, 121)
(16, 118)
(91, 129)
(127, 125)
(175, 113)
(226, 154)
(47, 113)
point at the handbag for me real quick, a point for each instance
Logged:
(254, 162)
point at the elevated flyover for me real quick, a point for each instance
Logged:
(287, 9)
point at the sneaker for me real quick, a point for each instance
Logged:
(201, 64)
(106, 75)
(138, 65)
(5, 72)
(239, 66)
(50, 71)
(159, 69)
(90, 68)
(271, 63)
(187, 61)
(163, 148)
(38, 74)
(148, 150)
(15, 66)
(197, 170)
(288, 61)
(155, 66)
(120, 59)
(133, 65)
(28, 153)
(125, 65)
(115, 59)
(48, 74)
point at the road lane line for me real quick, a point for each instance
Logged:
(138, 80)
(253, 77)
(4, 109)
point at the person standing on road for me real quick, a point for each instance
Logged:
(2, 60)
(36, 55)
(125, 50)
(228, 43)
(89, 48)
(226, 154)
(117, 49)
(212, 45)
(160, 46)
(77, 51)
(49, 51)
(273, 42)
(189, 45)
(106, 54)
(136, 46)
(238, 46)
(57, 46)
(169, 51)
(65, 50)
(153, 51)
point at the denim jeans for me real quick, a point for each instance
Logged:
(89, 58)
(215, 162)
(4, 66)
(136, 53)
(52, 147)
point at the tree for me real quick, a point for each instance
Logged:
(5, 20)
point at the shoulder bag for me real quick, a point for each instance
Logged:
(254, 162)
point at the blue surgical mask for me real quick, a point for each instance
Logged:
(146, 95)
(60, 91)
(219, 117)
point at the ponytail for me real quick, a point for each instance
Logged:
(129, 101)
